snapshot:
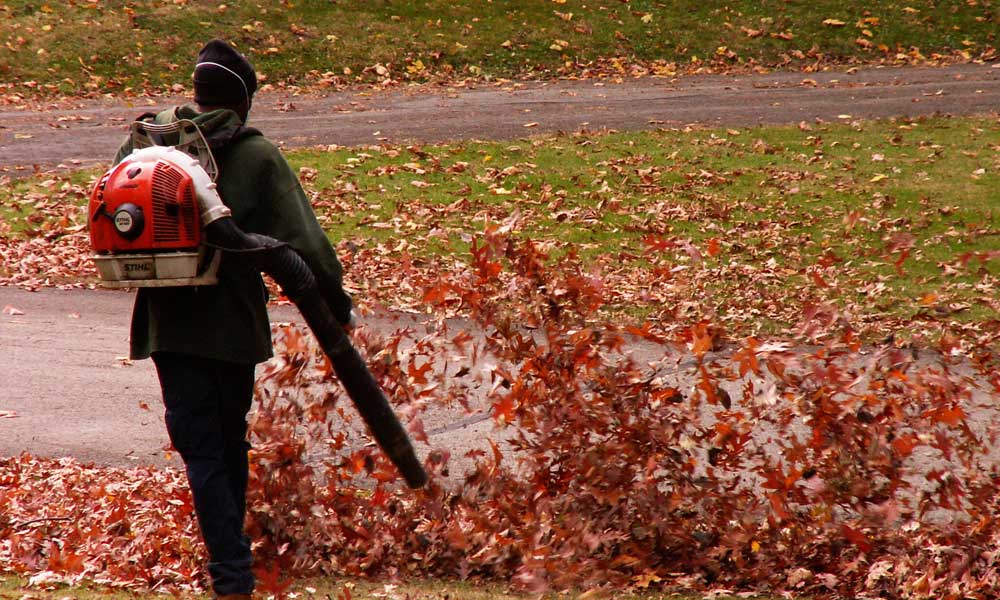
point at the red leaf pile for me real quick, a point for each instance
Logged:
(65, 522)
(617, 459)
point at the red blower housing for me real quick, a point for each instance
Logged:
(144, 206)
(146, 221)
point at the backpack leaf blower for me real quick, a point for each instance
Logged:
(157, 220)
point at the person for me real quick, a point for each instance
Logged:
(206, 340)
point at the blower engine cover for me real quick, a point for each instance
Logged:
(146, 224)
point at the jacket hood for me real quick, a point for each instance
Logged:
(220, 127)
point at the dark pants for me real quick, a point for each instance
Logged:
(206, 406)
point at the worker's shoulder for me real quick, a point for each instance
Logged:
(253, 144)
(254, 151)
(258, 159)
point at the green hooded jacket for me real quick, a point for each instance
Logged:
(228, 321)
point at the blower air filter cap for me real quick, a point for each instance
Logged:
(129, 221)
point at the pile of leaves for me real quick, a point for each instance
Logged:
(65, 522)
(617, 458)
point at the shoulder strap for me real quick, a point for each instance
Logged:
(183, 134)
(146, 115)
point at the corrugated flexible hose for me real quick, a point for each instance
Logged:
(298, 283)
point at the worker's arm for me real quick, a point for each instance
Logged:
(303, 233)
(283, 211)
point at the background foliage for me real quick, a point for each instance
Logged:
(98, 46)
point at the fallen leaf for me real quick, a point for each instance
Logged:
(10, 310)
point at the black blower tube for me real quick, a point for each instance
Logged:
(298, 283)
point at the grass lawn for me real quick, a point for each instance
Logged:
(99, 46)
(888, 219)
(895, 221)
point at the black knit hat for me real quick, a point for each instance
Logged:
(223, 76)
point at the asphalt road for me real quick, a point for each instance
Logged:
(70, 390)
(88, 132)
(64, 389)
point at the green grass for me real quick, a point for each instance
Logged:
(893, 220)
(38, 205)
(108, 47)
(713, 183)
(15, 588)
(828, 209)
